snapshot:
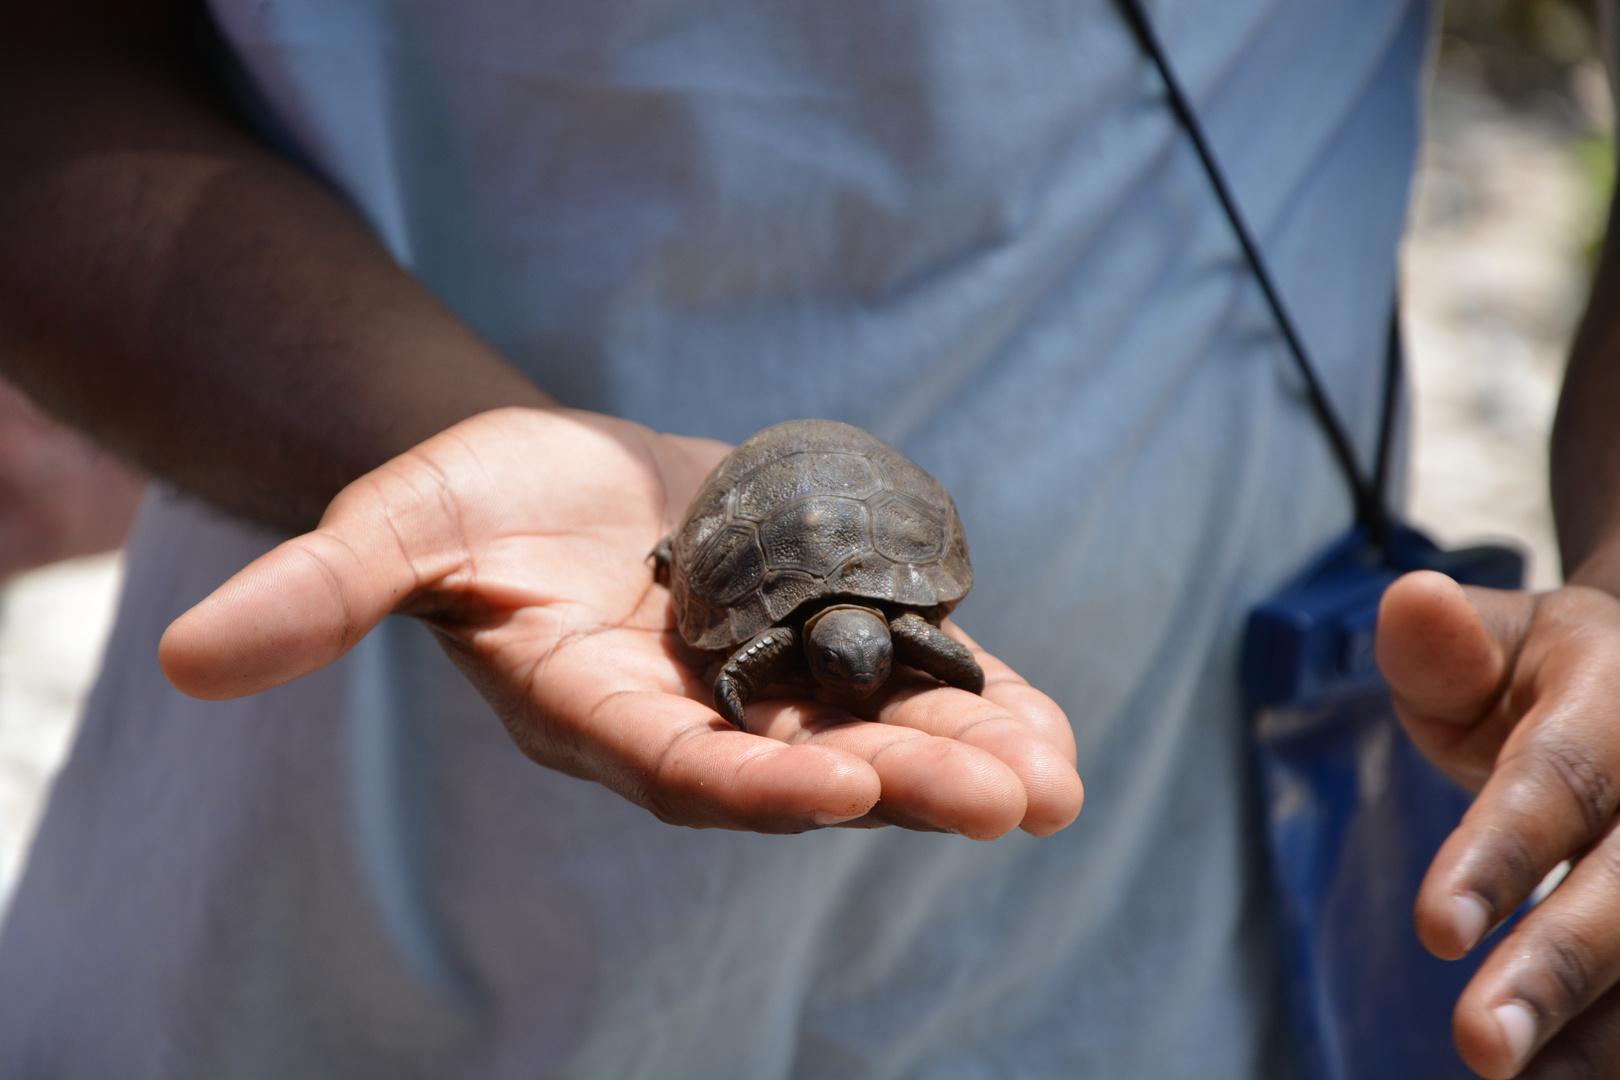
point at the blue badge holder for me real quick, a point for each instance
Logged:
(1355, 813)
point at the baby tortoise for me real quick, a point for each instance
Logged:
(818, 545)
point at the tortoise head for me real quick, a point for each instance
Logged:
(849, 649)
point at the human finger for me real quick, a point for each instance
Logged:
(1051, 789)
(613, 707)
(1012, 721)
(1554, 965)
(928, 782)
(1434, 647)
(311, 599)
(1588, 1048)
(677, 758)
(1447, 651)
(1556, 783)
(921, 741)
(1012, 692)
(949, 760)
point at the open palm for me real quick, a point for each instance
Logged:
(521, 536)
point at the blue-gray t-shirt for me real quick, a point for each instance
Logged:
(970, 226)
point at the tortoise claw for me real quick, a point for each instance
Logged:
(728, 701)
(760, 662)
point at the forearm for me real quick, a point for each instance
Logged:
(195, 302)
(1585, 451)
(1585, 447)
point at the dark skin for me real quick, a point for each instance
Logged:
(226, 322)
(215, 314)
(1517, 697)
(169, 284)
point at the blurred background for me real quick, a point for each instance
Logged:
(1509, 209)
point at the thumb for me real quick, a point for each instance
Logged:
(1444, 649)
(294, 609)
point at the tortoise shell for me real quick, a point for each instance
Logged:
(809, 509)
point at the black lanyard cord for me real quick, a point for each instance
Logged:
(1371, 510)
(1378, 525)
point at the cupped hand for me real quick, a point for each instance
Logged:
(1517, 696)
(522, 536)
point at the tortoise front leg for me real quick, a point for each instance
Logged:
(661, 557)
(752, 668)
(920, 644)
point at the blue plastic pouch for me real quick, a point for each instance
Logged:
(1355, 813)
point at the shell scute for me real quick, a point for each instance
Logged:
(784, 591)
(729, 566)
(912, 586)
(704, 518)
(815, 535)
(903, 474)
(907, 530)
(804, 475)
(865, 575)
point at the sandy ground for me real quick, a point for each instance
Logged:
(1494, 282)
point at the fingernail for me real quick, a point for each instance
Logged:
(1471, 918)
(1518, 1028)
(826, 817)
